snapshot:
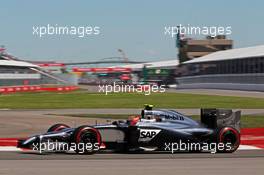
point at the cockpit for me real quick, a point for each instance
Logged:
(148, 116)
(152, 117)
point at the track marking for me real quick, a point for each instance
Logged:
(9, 148)
(247, 147)
(13, 148)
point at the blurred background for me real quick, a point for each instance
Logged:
(131, 47)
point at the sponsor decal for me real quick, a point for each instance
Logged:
(148, 134)
(173, 117)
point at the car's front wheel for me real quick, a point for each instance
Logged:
(87, 140)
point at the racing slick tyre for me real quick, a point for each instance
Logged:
(230, 137)
(87, 140)
(57, 127)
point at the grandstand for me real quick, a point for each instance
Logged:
(16, 74)
(240, 69)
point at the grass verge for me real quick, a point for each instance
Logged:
(124, 100)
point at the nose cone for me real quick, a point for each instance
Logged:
(26, 143)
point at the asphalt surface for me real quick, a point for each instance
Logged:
(241, 163)
(30, 155)
(220, 92)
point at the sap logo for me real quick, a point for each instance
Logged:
(148, 134)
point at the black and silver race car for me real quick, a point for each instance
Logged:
(153, 130)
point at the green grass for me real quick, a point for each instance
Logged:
(124, 100)
(246, 121)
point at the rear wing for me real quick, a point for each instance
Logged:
(219, 118)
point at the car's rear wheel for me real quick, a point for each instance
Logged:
(230, 137)
(57, 127)
(87, 140)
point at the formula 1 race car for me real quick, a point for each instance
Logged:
(153, 130)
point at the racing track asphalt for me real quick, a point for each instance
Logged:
(30, 155)
(240, 162)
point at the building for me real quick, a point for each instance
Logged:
(192, 48)
(241, 69)
(162, 72)
(158, 71)
(167, 64)
(14, 73)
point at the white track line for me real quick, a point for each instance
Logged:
(247, 147)
(9, 148)
(13, 148)
(4, 109)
